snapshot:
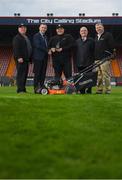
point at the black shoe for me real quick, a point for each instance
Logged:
(21, 92)
(25, 91)
(82, 91)
(37, 90)
(88, 92)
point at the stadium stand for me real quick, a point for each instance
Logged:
(119, 58)
(120, 65)
(8, 29)
(11, 68)
(50, 71)
(119, 61)
(5, 56)
(8, 68)
(30, 71)
(115, 68)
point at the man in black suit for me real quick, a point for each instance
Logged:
(40, 57)
(22, 52)
(84, 53)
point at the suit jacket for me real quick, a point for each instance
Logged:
(103, 44)
(40, 49)
(66, 42)
(84, 52)
(20, 49)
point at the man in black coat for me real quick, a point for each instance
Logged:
(40, 57)
(103, 42)
(22, 53)
(60, 47)
(84, 53)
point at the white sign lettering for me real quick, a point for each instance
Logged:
(63, 21)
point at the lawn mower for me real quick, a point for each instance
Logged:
(84, 79)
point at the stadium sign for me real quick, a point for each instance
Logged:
(60, 20)
(63, 21)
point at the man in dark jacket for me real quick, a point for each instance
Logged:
(60, 47)
(103, 42)
(84, 53)
(22, 52)
(40, 57)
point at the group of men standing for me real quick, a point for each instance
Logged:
(61, 47)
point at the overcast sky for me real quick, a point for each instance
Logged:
(60, 7)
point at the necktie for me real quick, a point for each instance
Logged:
(45, 40)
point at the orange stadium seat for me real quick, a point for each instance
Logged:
(5, 57)
(11, 68)
(116, 68)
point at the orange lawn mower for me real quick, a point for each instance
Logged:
(85, 79)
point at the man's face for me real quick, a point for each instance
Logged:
(60, 31)
(22, 30)
(99, 28)
(83, 32)
(43, 28)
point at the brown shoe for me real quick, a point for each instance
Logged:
(108, 92)
(99, 92)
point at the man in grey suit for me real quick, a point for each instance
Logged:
(40, 57)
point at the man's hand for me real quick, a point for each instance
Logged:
(49, 52)
(53, 49)
(20, 60)
(59, 49)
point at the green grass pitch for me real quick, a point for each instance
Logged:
(60, 136)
